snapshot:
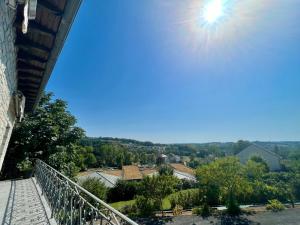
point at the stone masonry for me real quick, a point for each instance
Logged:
(8, 76)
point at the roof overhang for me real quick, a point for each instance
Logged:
(39, 48)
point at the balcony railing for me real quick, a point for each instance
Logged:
(71, 204)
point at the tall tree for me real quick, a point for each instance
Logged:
(49, 133)
(226, 177)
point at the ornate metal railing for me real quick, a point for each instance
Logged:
(71, 204)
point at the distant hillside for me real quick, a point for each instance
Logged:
(93, 140)
(194, 149)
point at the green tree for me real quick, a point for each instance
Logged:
(158, 187)
(165, 170)
(227, 178)
(123, 191)
(94, 186)
(255, 170)
(48, 132)
(258, 159)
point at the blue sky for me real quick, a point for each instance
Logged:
(154, 70)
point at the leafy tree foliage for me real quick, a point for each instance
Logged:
(165, 170)
(158, 187)
(226, 178)
(186, 198)
(49, 133)
(94, 186)
(260, 160)
(255, 170)
(123, 191)
(146, 206)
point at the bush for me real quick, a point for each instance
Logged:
(185, 198)
(232, 206)
(196, 211)
(177, 210)
(165, 170)
(130, 210)
(186, 184)
(146, 206)
(203, 211)
(275, 205)
(94, 186)
(123, 191)
(25, 168)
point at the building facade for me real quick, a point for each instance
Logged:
(8, 76)
(32, 35)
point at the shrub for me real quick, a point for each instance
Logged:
(96, 187)
(185, 198)
(196, 211)
(187, 184)
(165, 170)
(275, 205)
(25, 168)
(130, 210)
(177, 210)
(123, 191)
(203, 211)
(146, 206)
(232, 206)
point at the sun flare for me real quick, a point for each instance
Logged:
(213, 11)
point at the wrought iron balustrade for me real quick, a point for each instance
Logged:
(71, 204)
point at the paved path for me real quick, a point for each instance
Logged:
(22, 204)
(285, 217)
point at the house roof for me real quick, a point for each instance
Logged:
(182, 168)
(38, 49)
(113, 172)
(131, 173)
(148, 171)
(254, 147)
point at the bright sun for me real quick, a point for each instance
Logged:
(213, 11)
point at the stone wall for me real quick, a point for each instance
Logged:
(8, 76)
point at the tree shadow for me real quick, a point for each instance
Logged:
(155, 220)
(235, 220)
(9, 205)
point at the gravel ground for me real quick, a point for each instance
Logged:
(286, 217)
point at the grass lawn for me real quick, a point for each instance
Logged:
(120, 205)
(166, 202)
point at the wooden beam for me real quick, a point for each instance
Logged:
(29, 80)
(27, 95)
(26, 74)
(30, 92)
(22, 65)
(29, 45)
(30, 62)
(33, 71)
(37, 28)
(25, 56)
(49, 7)
(28, 85)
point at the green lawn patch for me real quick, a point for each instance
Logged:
(166, 202)
(120, 205)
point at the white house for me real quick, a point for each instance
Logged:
(271, 158)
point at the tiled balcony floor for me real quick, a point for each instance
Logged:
(22, 204)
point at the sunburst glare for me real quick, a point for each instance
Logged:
(213, 10)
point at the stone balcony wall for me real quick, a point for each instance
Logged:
(8, 75)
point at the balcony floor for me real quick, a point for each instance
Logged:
(21, 203)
